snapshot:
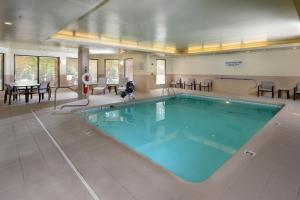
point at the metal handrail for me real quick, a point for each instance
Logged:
(240, 79)
(168, 90)
(72, 89)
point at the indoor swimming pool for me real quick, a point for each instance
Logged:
(190, 136)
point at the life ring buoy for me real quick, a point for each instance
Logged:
(86, 78)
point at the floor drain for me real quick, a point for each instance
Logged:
(249, 153)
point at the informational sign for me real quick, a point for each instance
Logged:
(142, 66)
(233, 63)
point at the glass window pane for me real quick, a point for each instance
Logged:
(129, 69)
(112, 71)
(1, 71)
(93, 70)
(160, 72)
(72, 71)
(48, 69)
(26, 69)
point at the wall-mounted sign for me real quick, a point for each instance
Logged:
(142, 66)
(233, 63)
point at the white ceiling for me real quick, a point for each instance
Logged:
(36, 20)
(178, 22)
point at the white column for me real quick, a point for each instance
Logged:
(83, 67)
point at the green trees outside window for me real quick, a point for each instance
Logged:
(112, 71)
(26, 69)
(49, 70)
(33, 69)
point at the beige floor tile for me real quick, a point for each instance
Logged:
(31, 166)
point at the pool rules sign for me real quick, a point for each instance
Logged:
(235, 64)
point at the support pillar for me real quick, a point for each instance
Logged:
(83, 67)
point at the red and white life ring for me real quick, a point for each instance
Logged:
(86, 78)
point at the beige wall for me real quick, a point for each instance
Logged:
(263, 63)
(281, 66)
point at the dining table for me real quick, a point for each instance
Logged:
(27, 87)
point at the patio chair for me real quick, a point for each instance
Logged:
(206, 84)
(296, 90)
(173, 84)
(189, 83)
(11, 92)
(43, 88)
(122, 85)
(101, 86)
(265, 86)
(178, 83)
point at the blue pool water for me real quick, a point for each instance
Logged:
(187, 135)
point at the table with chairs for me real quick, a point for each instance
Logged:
(269, 87)
(13, 91)
(191, 83)
(104, 84)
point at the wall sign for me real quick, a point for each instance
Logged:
(142, 66)
(233, 63)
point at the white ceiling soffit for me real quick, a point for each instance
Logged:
(192, 22)
(36, 20)
(172, 22)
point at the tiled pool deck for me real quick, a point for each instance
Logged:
(31, 167)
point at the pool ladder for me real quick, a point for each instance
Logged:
(167, 89)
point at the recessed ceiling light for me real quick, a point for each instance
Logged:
(8, 23)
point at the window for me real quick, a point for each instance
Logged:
(1, 71)
(93, 70)
(112, 71)
(129, 69)
(26, 68)
(49, 70)
(72, 71)
(160, 71)
(37, 69)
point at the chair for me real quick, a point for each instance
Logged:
(11, 92)
(42, 89)
(173, 84)
(122, 85)
(296, 90)
(265, 86)
(178, 83)
(101, 86)
(206, 84)
(189, 83)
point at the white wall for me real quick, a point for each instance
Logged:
(280, 62)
